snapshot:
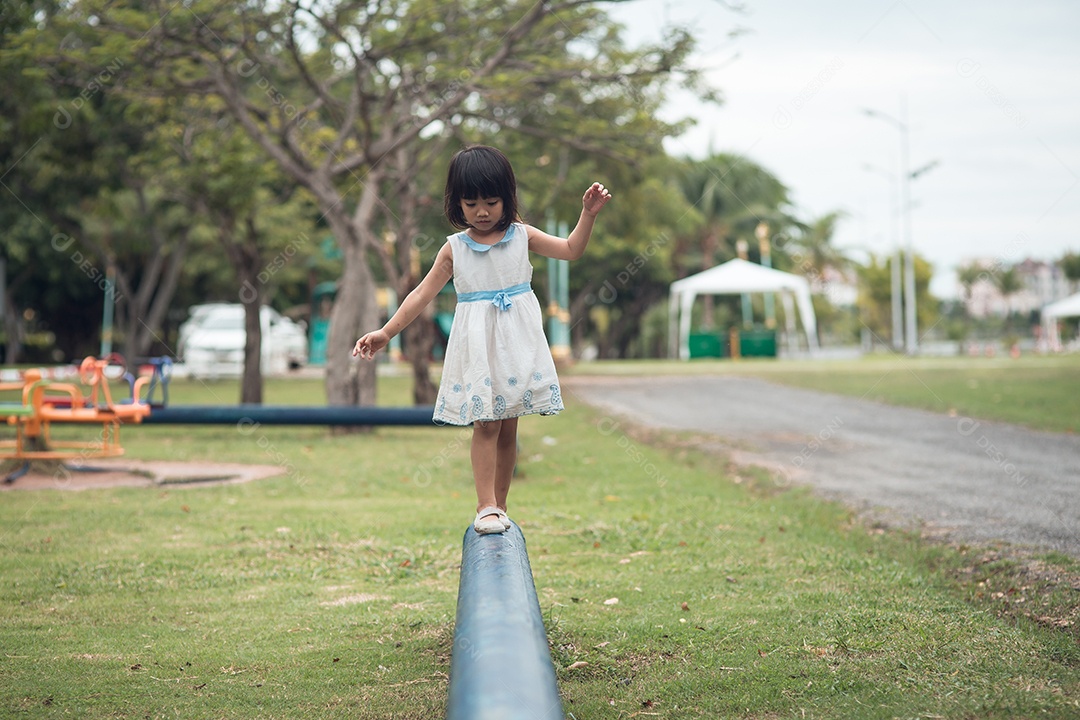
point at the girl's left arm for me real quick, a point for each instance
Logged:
(573, 247)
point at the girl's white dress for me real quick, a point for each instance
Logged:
(497, 364)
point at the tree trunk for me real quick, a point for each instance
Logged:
(251, 385)
(140, 315)
(579, 308)
(350, 382)
(244, 256)
(248, 263)
(355, 310)
(420, 339)
(148, 329)
(14, 327)
(132, 303)
(708, 258)
(627, 326)
(13, 330)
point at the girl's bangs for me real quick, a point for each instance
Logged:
(478, 185)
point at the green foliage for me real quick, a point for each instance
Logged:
(1008, 282)
(53, 279)
(970, 274)
(1070, 265)
(188, 148)
(732, 195)
(875, 297)
(123, 175)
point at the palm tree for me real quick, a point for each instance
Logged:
(968, 275)
(815, 248)
(733, 195)
(1008, 283)
(1070, 265)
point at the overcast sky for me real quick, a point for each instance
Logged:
(992, 92)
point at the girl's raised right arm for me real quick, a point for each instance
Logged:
(572, 247)
(411, 306)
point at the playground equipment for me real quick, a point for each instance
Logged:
(500, 667)
(41, 402)
(160, 372)
(44, 402)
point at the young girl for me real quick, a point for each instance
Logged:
(498, 366)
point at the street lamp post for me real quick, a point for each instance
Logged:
(910, 324)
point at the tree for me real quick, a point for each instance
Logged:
(1008, 282)
(44, 285)
(331, 91)
(968, 276)
(155, 172)
(401, 257)
(76, 176)
(875, 296)
(1070, 265)
(141, 234)
(814, 254)
(732, 195)
(633, 263)
(260, 221)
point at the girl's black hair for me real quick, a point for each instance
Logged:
(478, 172)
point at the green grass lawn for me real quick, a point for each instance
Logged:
(329, 591)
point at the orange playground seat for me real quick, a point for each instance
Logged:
(45, 402)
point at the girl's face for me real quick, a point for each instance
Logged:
(482, 213)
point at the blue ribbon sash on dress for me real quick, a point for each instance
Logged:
(498, 298)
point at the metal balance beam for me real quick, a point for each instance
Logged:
(251, 415)
(500, 668)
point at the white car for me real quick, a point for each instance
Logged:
(196, 314)
(212, 342)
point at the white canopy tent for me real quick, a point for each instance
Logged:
(1066, 307)
(736, 277)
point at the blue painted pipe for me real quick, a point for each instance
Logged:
(500, 666)
(251, 415)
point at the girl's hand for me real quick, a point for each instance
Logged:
(373, 342)
(595, 198)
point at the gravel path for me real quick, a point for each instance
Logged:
(973, 481)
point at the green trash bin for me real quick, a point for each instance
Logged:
(757, 343)
(705, 345)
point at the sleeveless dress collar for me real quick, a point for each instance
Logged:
(480, 247)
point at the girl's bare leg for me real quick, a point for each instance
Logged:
(506, 458)
(485, 444)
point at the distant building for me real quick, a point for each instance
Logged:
(840, 287)
(1043, 283)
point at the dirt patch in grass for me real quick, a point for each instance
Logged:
(353, 600)
(1018, 583)
(118, 472)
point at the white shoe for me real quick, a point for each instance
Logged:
(485, 525)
